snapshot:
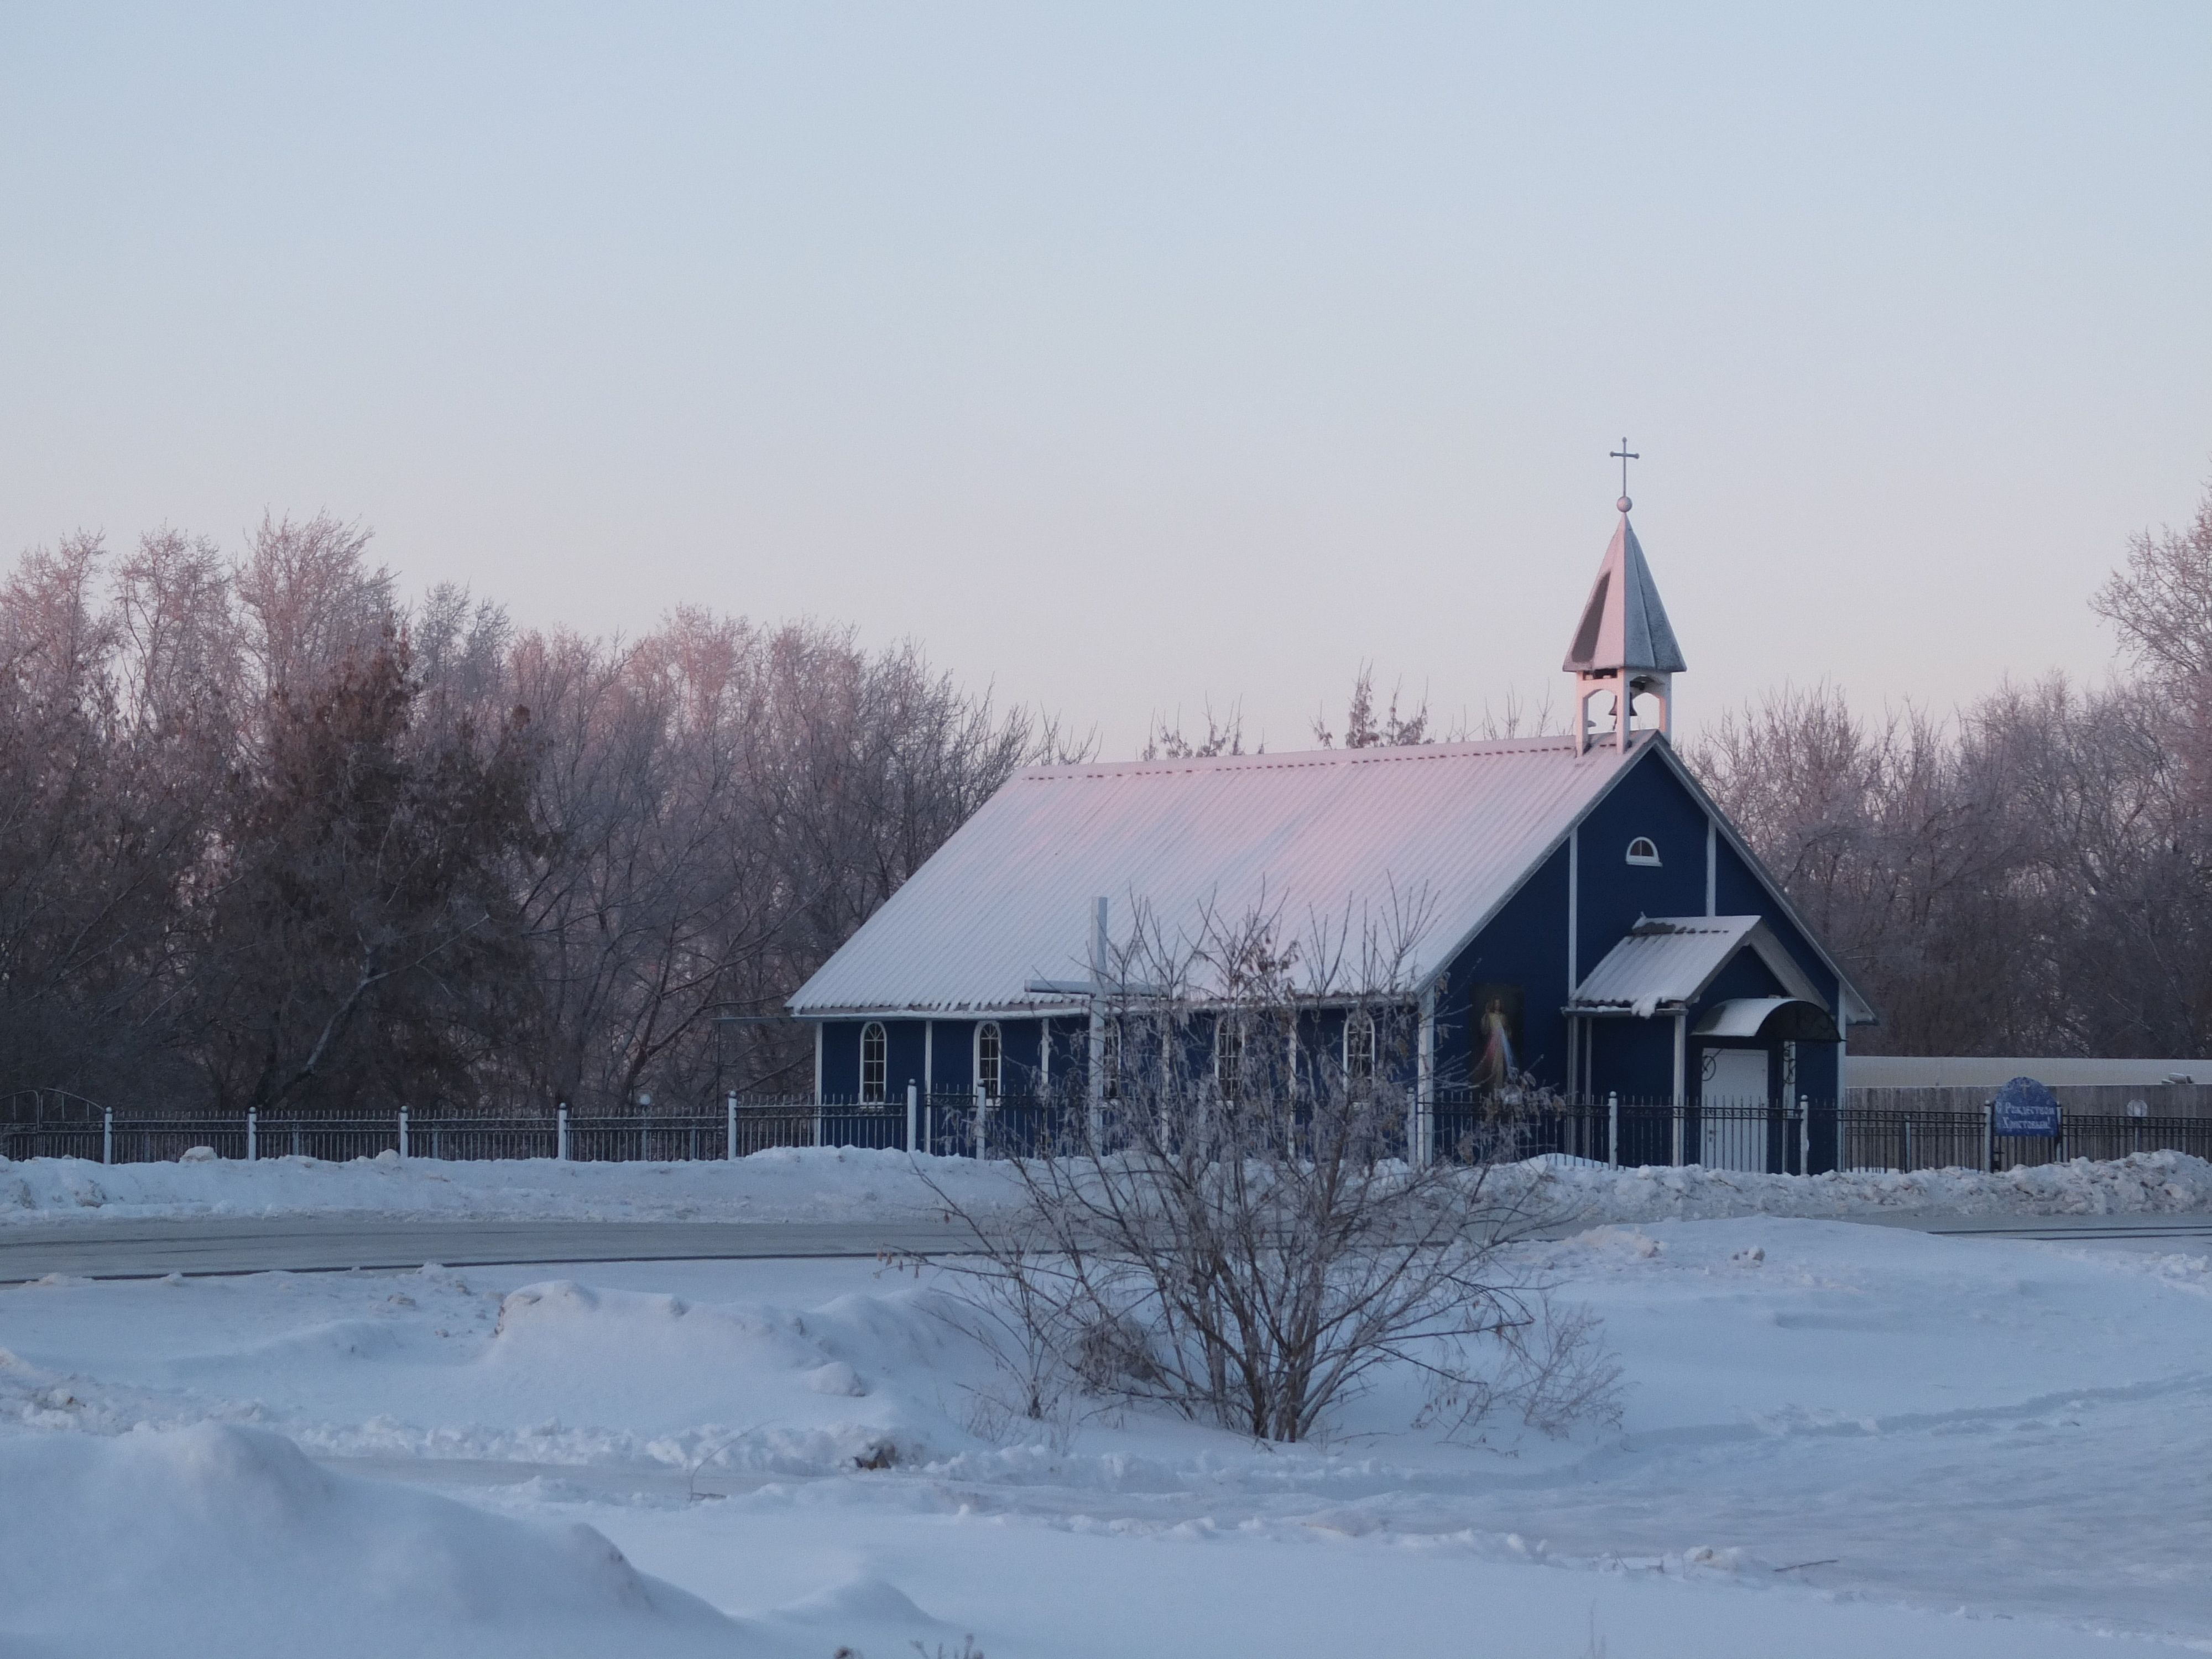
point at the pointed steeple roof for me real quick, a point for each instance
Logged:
(1624, 626)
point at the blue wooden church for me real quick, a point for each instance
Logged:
(1591, 921)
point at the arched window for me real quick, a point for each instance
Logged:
(874, 1062)
(1642, 850)
(1358, 1047)
(1228, 1055)
(988, 1047)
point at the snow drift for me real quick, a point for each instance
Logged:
(217, 1539)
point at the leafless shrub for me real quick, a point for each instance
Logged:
(1242, 1239)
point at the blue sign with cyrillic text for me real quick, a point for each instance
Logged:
(2026, 1109)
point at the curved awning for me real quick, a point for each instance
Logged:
(1791, 1018)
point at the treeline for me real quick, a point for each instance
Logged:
(2030, 876)
(269, 836)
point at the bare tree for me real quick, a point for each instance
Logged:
(308, 601)
(2160, 599)
(269, 834)
(1363, 729)
(363, 943)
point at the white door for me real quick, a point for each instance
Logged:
(1732, 1131)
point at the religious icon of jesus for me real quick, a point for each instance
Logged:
(1497, 1037)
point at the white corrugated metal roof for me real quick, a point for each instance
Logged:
(1357, 835)
(1667, 961)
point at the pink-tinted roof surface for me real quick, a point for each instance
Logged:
(1319, 840)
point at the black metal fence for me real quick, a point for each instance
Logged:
(1758, 1136)
(52, 1124)
(1793, 1139)
(1752, 1136)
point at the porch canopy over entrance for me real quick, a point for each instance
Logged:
(1667, 963)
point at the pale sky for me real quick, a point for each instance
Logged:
(1131, 356)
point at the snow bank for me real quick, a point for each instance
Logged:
(832, 1184)
(224, 1540)
(2146, 1183)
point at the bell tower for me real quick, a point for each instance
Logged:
(1624, 647)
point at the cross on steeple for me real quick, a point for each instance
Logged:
(1625, 455)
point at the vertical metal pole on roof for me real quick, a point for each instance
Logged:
(912, 1115)
(1424, 1125)
(108, 1134)
(1094, 1036)
(730, 1127)
(1612, 1129)
(1095, 1076)
(252, 1133)
(561, 1132)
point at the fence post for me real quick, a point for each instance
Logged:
(252, 1133)
(817, 1122)
(980, 1140)
(1908, 1145)
(108, 1134)
(1612, 1129)
(1678, 1137)
(1989, 1137)
(403, 1132)
(730, 1127)
(1804, 1136)
(912, 1115)
(2061, 1148)
(561, 1132)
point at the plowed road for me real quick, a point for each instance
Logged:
(96, 1248)
(149, 1249)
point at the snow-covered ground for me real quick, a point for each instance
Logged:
(1839, 1440)
(831, 1184)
